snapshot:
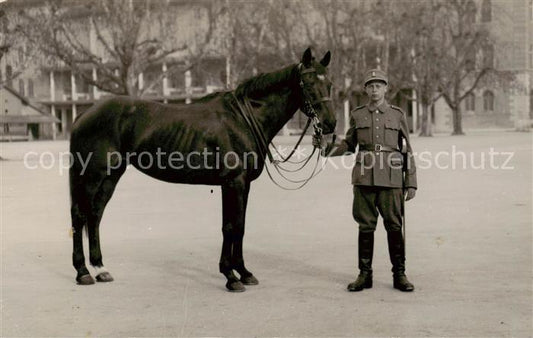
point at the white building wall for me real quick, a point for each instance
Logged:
(519, 103)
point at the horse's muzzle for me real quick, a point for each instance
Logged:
(327, 127)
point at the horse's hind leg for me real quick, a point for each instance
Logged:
(80, 192)
(102, 196)
(78, 222)
(90, 191)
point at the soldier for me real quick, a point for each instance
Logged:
(380, 130)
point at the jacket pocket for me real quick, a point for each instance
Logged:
(392, 129)
(362, 128)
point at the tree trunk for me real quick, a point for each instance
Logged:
(425, 125)
(457, 115)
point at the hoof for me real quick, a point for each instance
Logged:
(104, 277)
(85, 280)
(235, 286)
(249, 280)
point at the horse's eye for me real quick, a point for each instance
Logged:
(321, 77)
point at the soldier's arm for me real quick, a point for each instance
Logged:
(345, 146)
(410, 171)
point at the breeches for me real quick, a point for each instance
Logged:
(369, 202)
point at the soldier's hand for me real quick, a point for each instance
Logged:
(318, 141)
(410, 193)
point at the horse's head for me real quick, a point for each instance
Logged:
(316, 88)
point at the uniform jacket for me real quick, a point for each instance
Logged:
(384, 126)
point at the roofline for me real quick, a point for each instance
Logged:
(17, 94)
(24, 100)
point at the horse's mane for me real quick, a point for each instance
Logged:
(265, 82)
(207, 98)
(258, 84)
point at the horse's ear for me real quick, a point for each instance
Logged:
(307, 57)
(326, 59)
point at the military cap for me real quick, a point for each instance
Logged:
(375, 75)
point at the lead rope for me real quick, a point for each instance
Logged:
(245, 111)
(316, 170)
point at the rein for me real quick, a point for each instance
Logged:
(246, 110)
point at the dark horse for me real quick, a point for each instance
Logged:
(121, 130)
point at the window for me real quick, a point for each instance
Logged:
(59, 125)
(488, 101)
(198, 77)
(488, 56)
(9, 75)
(21, 56)
(486, 11)
(470, 60)
(531, 56)
(471, 12)
(67, 84)
(21, 87)
(470, 102)
(177, 80)
(30, 88)
(82, 86)
(531, 104)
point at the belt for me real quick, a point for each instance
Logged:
(376, 148)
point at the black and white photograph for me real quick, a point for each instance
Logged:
(266, 168)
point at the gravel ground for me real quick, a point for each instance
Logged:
(469, 252)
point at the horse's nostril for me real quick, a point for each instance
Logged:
(329, 127)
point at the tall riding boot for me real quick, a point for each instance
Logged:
(397, 258)
(366, 251)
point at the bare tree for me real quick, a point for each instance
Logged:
(436, 48)
(5, 32)
(462, 42)
(345, 28)
(125, 39)
(241, 29)
(13, 51)
(285, 36)
(416, 51)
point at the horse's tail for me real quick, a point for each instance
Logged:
(81, 173)
(79, 199)
(93, 136)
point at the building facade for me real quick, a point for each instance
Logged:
(65, 94)
(22, 120)
(510, 23)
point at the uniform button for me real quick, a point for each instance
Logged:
(377, 127)
(377, 136)
(377, 119)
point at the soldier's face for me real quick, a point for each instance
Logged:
(376, 90)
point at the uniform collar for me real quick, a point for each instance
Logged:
(382, 108)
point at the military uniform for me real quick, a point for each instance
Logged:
(378, 163)
(383, 168)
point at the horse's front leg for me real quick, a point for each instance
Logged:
(247, 278)
(234, 201)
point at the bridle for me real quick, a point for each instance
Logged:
(308, 105)
(308, 109)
